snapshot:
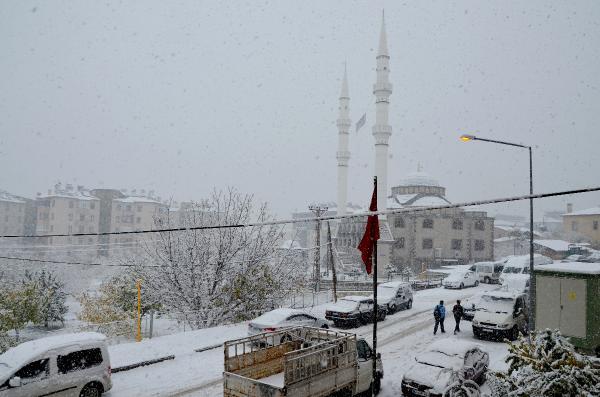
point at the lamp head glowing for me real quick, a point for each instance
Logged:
(467, 138)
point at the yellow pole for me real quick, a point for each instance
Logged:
(138, 337)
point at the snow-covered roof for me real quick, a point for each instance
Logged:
(419, 178)
(138, 199)
(275, 316)
(15, 357)
(554, 245)
(571, 267)
(588, 211)
(429, 201)
(355, 298)
(6, 196)
(72, 195)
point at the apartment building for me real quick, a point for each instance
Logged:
(582, 225)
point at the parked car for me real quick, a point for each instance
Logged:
(489, 272)
(354, 311)
(461, 279)
(394, 296)
(281, 318)
(70, 365)
(440, 365)
(501, 314)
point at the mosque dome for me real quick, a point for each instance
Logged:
(419, 178)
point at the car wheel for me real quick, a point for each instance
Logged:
(476, 333)
(486, 280)
(476, 283)
(392, 308)
(409, 304)
(325, 326)
(91, 390)
(462, 285)
(285, 338)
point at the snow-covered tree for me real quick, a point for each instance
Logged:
(50, 295)
(18, 306)
(217, 274)
(548, 367)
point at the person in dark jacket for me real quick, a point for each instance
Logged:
(439, 314)
(458, 313)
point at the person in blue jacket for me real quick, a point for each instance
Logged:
(439, 314)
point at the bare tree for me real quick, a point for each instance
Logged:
(217, 275)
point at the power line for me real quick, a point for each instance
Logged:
(67, 263)
(324, 218)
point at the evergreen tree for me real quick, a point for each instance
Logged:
(548, 367)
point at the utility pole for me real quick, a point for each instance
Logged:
(318, 210)
(138, 336)
(333, 275)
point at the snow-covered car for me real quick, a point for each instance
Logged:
(394, 296)
(489, 272)
(501, 314)
(354, 311)
(519, 264)
(573, 258)
(281, 318)
(444, 362)
(66, 365)
(470, 306)
(461, 279)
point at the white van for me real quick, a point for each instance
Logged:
(519, 264)
(501, 314)
(75, 365)
(489, 272)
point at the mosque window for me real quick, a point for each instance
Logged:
(399, 222)
(427, 223)
(427, 243)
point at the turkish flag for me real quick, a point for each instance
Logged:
(371, 236)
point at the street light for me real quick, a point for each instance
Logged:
(467, 138)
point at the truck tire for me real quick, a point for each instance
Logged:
(486, 280)
(409, 304)
(325, 326)
(476, 283)
(462, 285)
(91, 390)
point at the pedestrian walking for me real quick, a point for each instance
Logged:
(439, 314)
(458, 313)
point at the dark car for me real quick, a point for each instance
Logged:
(353, 311)
(470, 306)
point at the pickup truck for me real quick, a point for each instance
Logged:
(299, 362)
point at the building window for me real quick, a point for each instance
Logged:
(128, 207)
(71, 205)
(427, 223)
(457, 224)
(399, 222)
(574, 226)
(92, 218)
(399, 243)
(595, 225)
(479, 225)
(427, 243)
(479, 245)
(456, 244)
(93, 205)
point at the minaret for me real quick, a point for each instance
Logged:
(343, 155)
(382, 130)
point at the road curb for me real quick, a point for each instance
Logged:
(142, 364)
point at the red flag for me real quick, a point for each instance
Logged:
(371, 234)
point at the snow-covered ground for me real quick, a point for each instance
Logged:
(400, 337)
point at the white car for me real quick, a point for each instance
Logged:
(394, 296)
(65, 365)
(282, 318)
(461, 279)
(439, 366)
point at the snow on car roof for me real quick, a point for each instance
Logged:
(27, 351)
(393, 284)
(356, 298)
(275, 316)
(571, 267)
(453, 347)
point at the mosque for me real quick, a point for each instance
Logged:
(411, 240)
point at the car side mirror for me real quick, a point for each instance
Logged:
(15, 381)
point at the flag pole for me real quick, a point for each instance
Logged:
(375, 307)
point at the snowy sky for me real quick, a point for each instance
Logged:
(184, 96)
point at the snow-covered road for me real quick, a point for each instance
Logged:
(400, 337)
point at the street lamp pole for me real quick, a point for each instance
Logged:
(532, 286)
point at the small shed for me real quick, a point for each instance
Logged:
(568, 299)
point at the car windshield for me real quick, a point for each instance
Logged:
(386, 291)
(440, 359)
(346, 304)
(496, 304)
(512, 269)
(273, 317)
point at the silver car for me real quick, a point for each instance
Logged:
(281, 318)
